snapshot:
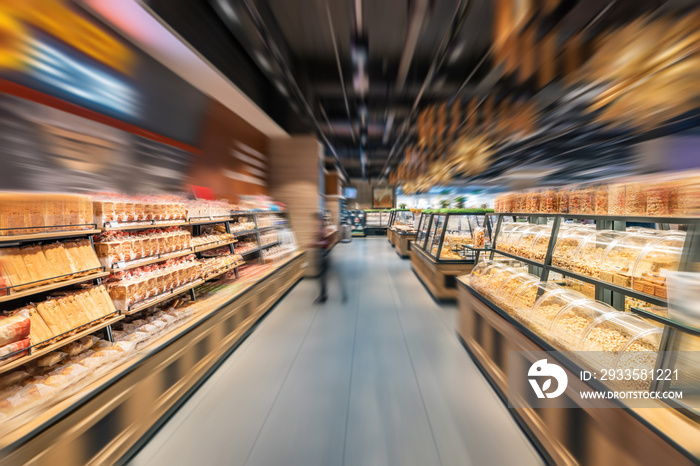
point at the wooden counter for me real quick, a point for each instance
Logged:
(440, 278)
(402, 242)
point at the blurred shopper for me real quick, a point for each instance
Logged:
(324, 242)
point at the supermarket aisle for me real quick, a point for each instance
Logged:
(380, 379)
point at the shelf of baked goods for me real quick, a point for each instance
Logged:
(213, 245)
(38, 268)
(38, 328)
(91, 275)
(34, 353)
(159, 298)
(49, 232)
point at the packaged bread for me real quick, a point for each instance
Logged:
(13, 350)
(14, 265)
(37, 265)
(38, 330)
(79, 346)
(13, 378)
(57, 257)
(14, 328)
(50, 314)
(51, 359)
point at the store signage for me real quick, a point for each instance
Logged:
(56, 68)
(18, 18)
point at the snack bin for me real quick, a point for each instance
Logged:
(570, 323)
(588, 256)
(548, 306)
(619, 258)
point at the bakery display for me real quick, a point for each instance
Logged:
(35, 213)
(109, 208)
(242, 223)
(132, 286)
(120, 246)
(35, 265)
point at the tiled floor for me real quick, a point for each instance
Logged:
(380, 379)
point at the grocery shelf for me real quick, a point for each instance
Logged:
(208, 220)
(206, 247)
(514, 256)
(666, 321)
(248, 252)
(132, 264)
(152, 301)
(655, 300)
(48, 235)
(675, 220)
(268, 245)
(221, 272)
(36, 353)
(144, 225)
(274, 227)
(54, 286)
(257, 212)
(244, 233)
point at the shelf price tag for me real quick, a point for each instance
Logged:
(114, 224)
(121, 264)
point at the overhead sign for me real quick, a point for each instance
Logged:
(56, 18)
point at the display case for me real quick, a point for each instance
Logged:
(356, 220)
(423, 226)
(608, 311)
(445, 247)
(377, 218)
(402, 219)
(453, 236)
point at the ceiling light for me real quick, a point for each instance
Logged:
(264, 62)
(228, 10)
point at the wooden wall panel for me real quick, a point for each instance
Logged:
(233, 160)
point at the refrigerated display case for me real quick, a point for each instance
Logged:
(376, 221)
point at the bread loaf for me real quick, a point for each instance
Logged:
(13, 328)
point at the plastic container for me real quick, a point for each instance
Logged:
(527, 295)
(563, 200)
(655, 262)
(524, 241)
(548, 306)
(620, 257)
(616, 199)
(482, 273)
(550, 201)
(601, 200)
(497, 280)
(564, 253)
(509, 236)
(588, 257)
(573, 320)
(505, 295)
(635, 199)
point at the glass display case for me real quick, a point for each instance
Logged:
(377, 218)
(423, 226)
(450, 237)
(356, 220)
(482, 274)
(509, 235)
(435, 236)
(402, 220)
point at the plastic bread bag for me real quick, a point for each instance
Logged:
(124, 346)
(13, 378)
(59, 381)
(51, 359)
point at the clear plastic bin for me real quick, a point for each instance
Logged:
(568, 243)
(573, 320)
(618, 260)
(527, 295)
(548, 306)
(588, 257)
(654, 262)
(505, 295)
